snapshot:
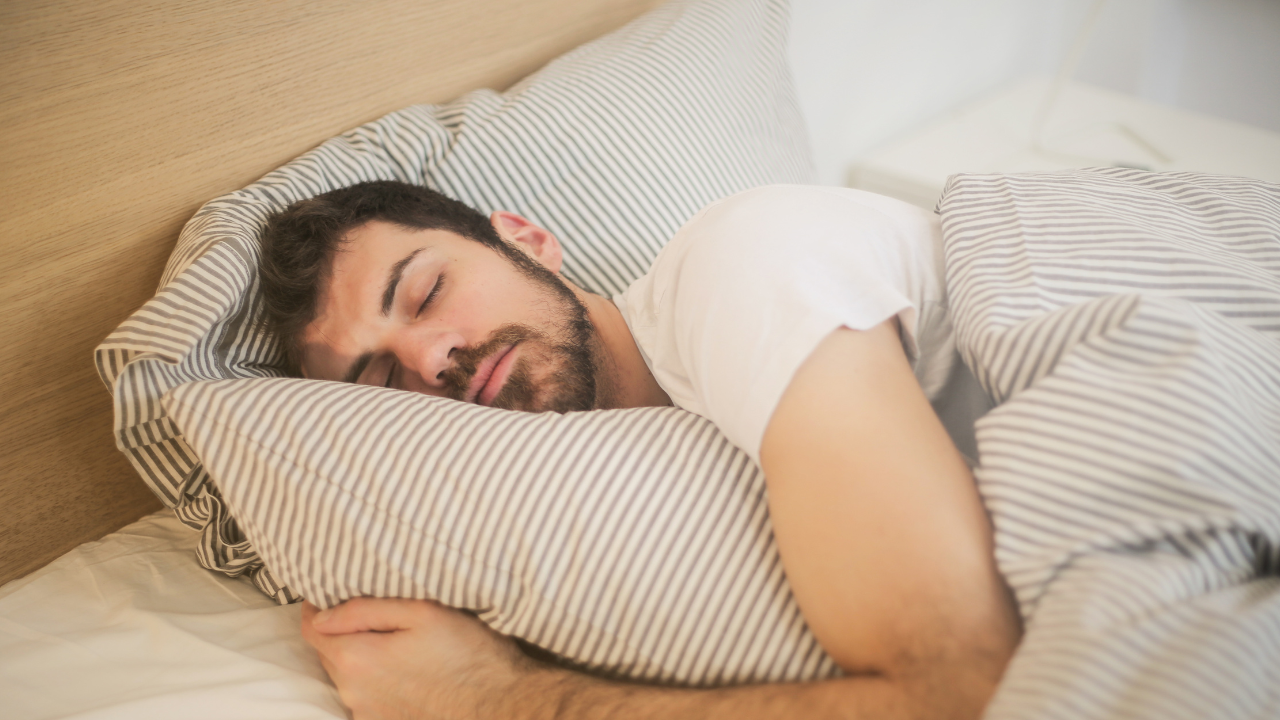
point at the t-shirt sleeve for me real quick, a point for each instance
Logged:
(746, 291)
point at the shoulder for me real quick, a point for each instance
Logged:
(803, 204)
(792, 233)
(799, 220)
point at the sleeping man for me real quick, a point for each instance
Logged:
(808, 323)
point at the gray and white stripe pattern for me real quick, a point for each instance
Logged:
(1130, 472)
(633, 543)
(612, 147)
(1129, 324)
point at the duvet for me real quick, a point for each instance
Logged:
(1128, 326)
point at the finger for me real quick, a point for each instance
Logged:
(337, 651)
(375, 615)
(309, 613)
(321, 644)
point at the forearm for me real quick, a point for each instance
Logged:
(547, 693)
(413, 659)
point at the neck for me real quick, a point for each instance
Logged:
(625, 377)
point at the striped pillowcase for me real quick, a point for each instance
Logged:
(612, 147)
(634, 543)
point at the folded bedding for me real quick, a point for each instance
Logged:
(1128, 325)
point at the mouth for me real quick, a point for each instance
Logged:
(491, 375)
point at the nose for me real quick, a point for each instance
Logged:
(425, 353)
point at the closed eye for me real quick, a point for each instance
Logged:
(431, 295)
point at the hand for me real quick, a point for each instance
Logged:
(403, 659)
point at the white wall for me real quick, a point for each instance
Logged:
(869, 71)
(1218, 57)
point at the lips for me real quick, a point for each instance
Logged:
(491, 375)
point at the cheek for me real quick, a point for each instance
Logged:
(468, 310)
(490, 305)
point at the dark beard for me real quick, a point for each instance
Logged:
(570, 366)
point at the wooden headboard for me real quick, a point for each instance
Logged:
(120, 119)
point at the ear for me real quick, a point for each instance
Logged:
(537, 241)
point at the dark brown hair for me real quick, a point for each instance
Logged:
(299, 243)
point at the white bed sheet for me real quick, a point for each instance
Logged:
(131, 626)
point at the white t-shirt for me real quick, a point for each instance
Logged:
(747, 289)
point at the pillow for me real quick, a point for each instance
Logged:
(612, 147)
(632, 542)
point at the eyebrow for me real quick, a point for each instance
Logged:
(393, 281)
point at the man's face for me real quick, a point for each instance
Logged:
(436, 313)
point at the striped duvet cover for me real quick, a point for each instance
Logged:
(1128, 325)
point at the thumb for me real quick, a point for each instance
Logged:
(372, 615)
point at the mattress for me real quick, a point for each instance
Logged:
(130, 626)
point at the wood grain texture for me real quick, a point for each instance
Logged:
(120, 118)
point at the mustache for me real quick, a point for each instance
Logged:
(466, 360)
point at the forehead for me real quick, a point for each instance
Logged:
(378, 241)
(362, 264)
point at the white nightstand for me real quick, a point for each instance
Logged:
(1087, 126)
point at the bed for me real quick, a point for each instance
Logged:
(1141, 599)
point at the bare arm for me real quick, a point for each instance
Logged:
(884, 541)
(412, 659)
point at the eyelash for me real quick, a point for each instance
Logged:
(432, 295)
(425, 302)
